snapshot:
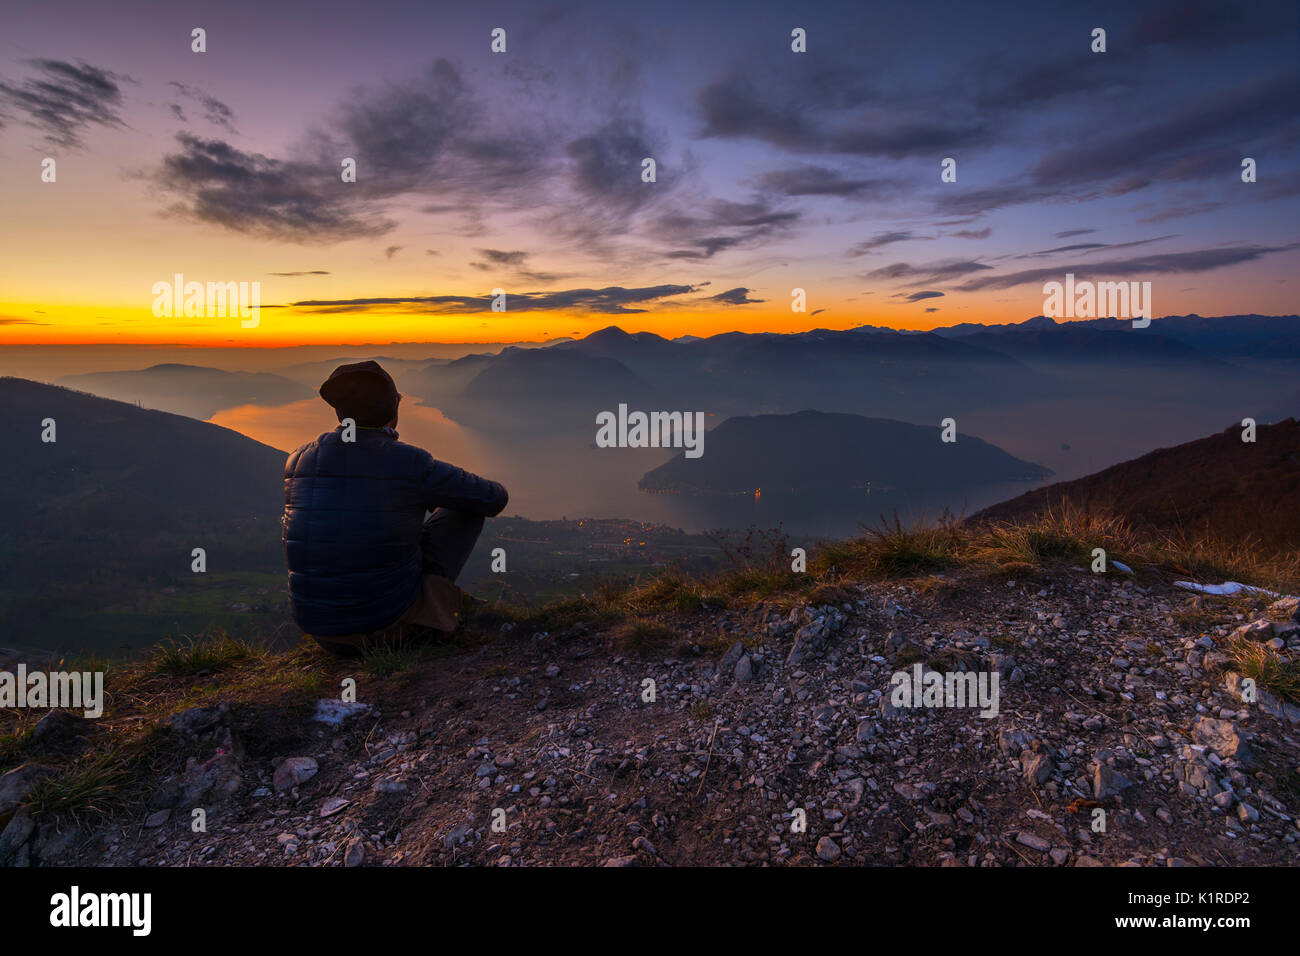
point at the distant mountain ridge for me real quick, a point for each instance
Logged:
(1264, 338)
(153, 456)
(1036, 388)
(193, 390)
(1075, 345)
(727, 374)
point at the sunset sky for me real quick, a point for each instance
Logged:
(522, 170)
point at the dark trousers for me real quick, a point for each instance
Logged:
(447, 540)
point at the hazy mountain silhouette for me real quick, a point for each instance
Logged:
(192, 390)
(919, 376)
(1228, 365)
(539, 391)
(1106, 390)
(627, 347)
(1074, 346)
(1270, 339)
(313, 373)
(963, 329)
(810, 450)
(440, 381)
(794, 354)
(1227, 338)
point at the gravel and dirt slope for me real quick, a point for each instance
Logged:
(514, 746)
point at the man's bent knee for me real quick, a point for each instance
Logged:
(447, 542)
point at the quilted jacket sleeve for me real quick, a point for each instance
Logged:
(446, 486)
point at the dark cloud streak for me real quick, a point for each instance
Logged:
(64, 99)
(613, 300)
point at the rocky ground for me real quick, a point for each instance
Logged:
(1122, 738)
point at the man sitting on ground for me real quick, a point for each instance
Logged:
(366, 569)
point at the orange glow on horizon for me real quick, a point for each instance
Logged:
(278, 328)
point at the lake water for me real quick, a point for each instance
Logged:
(566, 477)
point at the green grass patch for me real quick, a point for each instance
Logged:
(1064, 533)
(212, 655)
(92, 787)
(644, 637)
(1260, 662)
(892, 550)
(1204, 559)
(385, 661)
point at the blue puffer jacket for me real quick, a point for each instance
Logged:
(353, 513)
